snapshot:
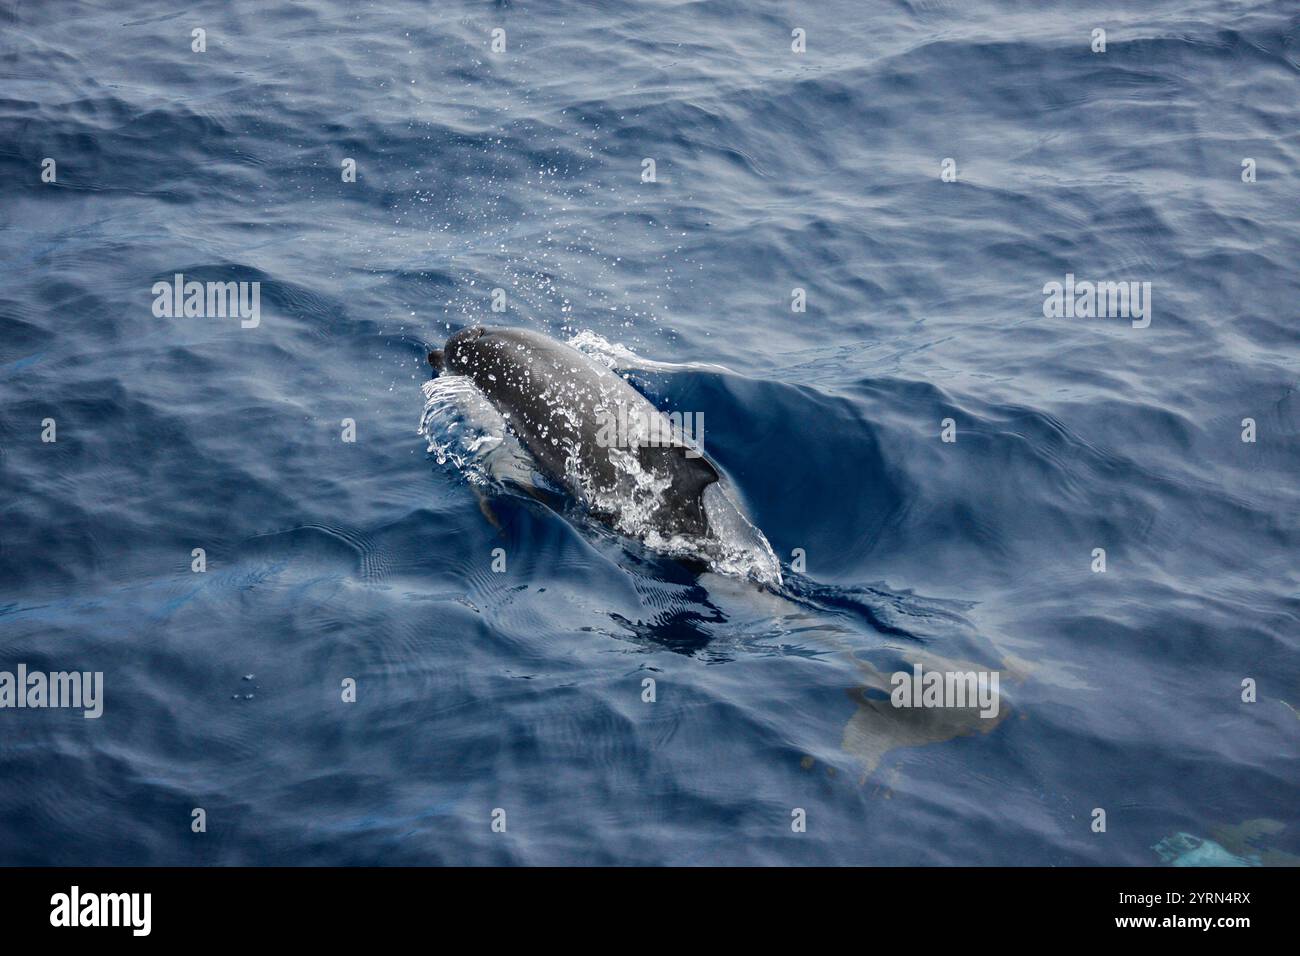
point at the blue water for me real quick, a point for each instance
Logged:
(522, 690)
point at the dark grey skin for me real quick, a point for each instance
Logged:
(555, 399)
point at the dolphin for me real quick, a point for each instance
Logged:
(590, 432)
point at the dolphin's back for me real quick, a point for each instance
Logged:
(563, 406)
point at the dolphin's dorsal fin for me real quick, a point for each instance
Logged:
(683, 504)
(690, 473)
(693, 474)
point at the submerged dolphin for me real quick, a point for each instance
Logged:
(567, 411)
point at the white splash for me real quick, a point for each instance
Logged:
(619, 356)
(461, 426)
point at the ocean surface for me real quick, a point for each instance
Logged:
(333, 567)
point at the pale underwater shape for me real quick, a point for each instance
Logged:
(1185, 849)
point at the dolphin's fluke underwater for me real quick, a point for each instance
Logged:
(594, 435)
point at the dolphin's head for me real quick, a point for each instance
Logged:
(461, 349)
